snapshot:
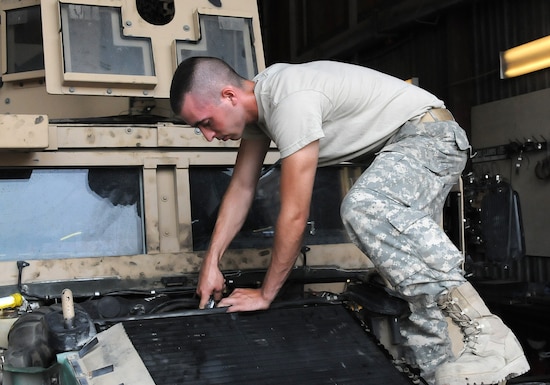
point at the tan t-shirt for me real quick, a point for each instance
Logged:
(352, 110)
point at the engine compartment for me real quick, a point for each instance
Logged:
(308, 336)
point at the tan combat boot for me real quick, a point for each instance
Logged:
(491, 351)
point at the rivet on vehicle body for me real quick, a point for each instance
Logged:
(109, 91)
(128, 23)
(186, 28)
(7, 101)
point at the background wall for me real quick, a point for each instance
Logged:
(519, 120)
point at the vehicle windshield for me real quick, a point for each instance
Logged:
(69, 213)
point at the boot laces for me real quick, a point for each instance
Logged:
(469, 327)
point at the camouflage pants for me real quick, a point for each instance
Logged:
(392, 213)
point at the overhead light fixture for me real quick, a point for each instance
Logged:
(525, 58)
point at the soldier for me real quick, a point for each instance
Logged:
(323, 113)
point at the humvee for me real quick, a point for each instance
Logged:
(107, 202)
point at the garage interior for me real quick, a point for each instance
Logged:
(142, 298)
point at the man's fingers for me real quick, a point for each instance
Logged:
(244, 300)
(209, 300)
(203, 302)
(230, 305)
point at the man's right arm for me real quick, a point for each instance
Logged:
(232, 214)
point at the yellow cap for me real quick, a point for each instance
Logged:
(10, 301)
(18, 299)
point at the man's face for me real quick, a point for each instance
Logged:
(222, 119)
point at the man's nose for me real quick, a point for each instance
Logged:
(208, 134)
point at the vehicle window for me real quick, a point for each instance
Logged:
(324, 225)
(227, 38)
(24, 49)
(68, 213)
(93, 43)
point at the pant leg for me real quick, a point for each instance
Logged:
(392, 214)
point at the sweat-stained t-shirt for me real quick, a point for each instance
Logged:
(352, 110)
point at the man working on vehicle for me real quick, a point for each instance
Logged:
(324, 113)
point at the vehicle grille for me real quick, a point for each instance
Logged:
(323, 344)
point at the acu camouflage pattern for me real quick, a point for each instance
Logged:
(392, 213)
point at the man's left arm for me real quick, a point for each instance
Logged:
(297, 178)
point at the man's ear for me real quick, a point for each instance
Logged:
(229, 93)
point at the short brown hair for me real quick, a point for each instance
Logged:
(204, 75)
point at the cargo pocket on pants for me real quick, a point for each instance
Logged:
(423, 252)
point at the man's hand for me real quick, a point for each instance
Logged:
(245, 300)
(211, 283)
